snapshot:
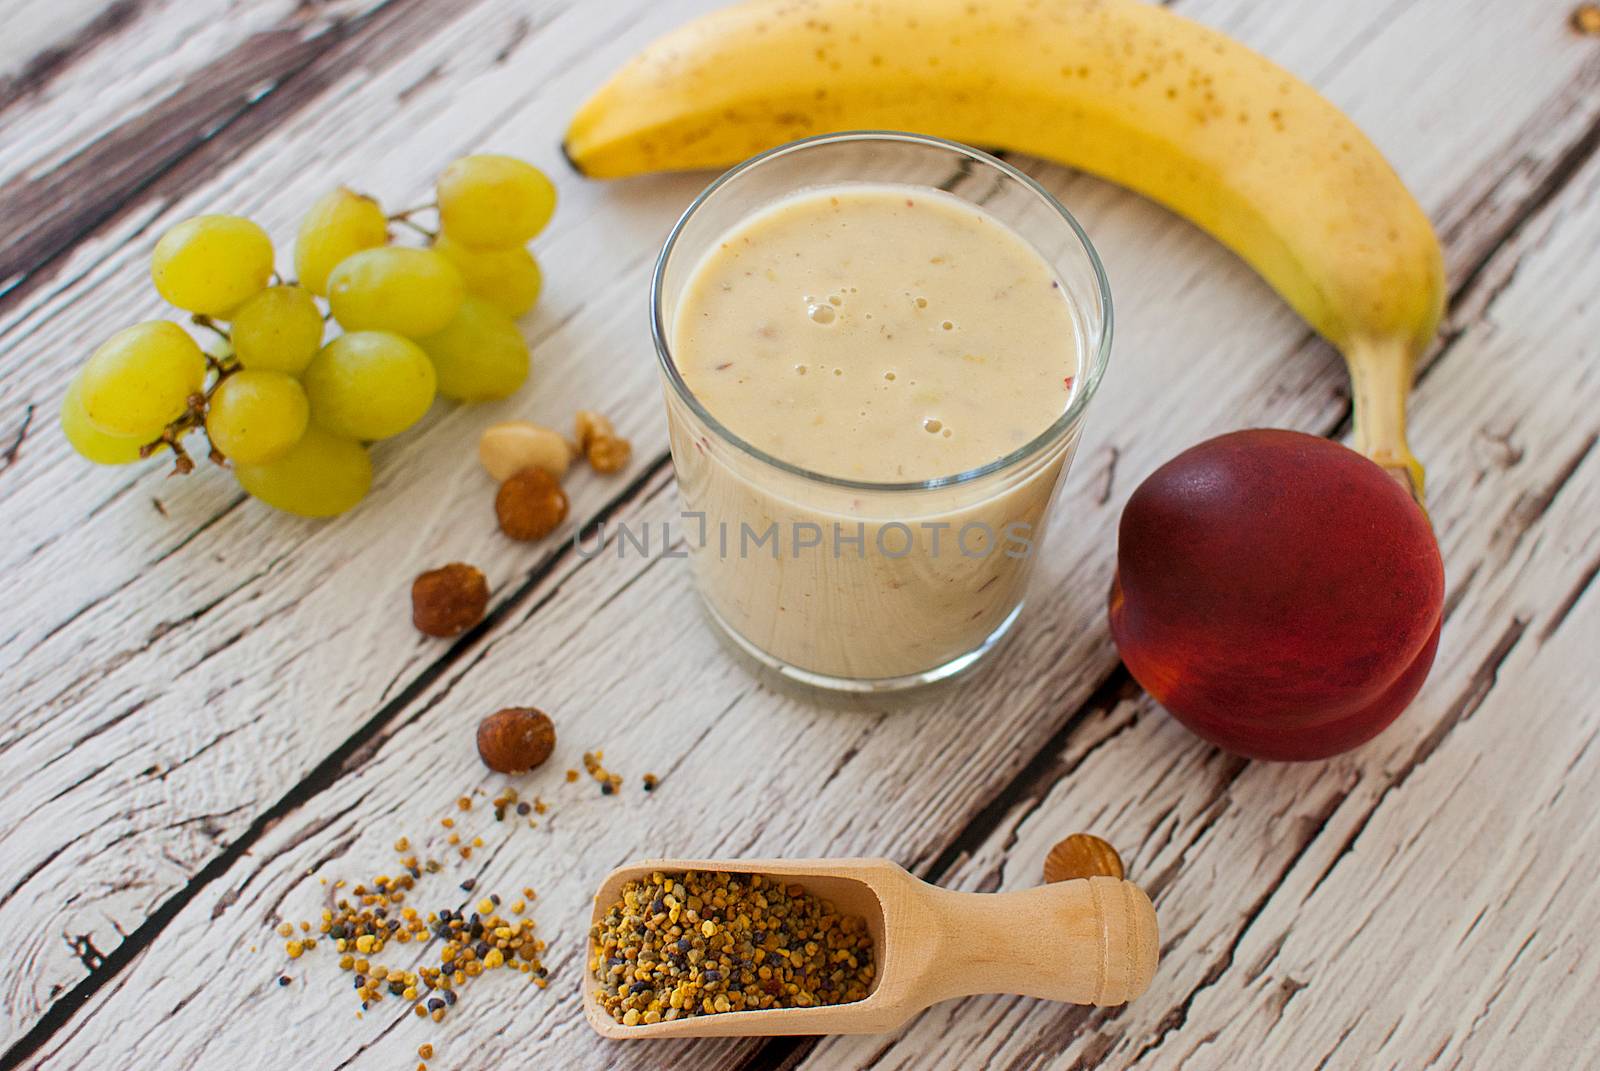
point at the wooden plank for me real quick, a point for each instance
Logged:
(593, 640)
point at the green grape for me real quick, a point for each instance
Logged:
(278, 330)
(210, 264)
(369, 385)
(339, 224)
(320, 476)
(509, 278)
(98, 446)
(412, 292)
(494, 202)
(140, 379)
(480, 355)
(257, 416)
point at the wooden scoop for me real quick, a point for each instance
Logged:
(1083, 941)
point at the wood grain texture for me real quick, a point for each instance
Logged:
(223, 699)
(109, 656)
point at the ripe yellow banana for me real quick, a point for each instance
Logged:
(1123, 89)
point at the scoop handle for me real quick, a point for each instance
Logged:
(1085, 941)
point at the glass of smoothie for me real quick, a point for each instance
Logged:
(877, 352)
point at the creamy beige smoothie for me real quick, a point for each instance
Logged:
(883, 334)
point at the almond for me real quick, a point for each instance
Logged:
(1082, 856)
(506, 449)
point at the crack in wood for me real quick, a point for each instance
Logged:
(312, 830)
(207, 746)
(82, 780)
(1285, 991)
(385, 1031)
(428, 78)
(9, 458)
(1455, 595)
(711, 723)
(84, 950)
(1095, 1050)
(779, 1054)
(1528, 508)
(99, 730)
(1156, 884)
(34, 872)
(1253, 973)
(1344, 1035)
(1499, 988)
(1074, 1022)
(519, 33)
(1108, 476)
(1570, 601)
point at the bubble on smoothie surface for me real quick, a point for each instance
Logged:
(933, 425)
(822, 314)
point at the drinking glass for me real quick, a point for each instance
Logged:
(862, 586)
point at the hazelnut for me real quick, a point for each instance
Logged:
(1082, 856)
(516, 739)
(530, 505)
(506, 449)
(449, 600)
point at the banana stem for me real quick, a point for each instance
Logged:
(1380, 377)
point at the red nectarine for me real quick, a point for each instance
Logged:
(1278, 593)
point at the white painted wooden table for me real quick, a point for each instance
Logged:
(206, 703)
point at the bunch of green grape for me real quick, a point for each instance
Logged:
(288, 409)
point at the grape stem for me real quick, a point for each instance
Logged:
(194, 417)
(202, 320)
(419, 228)
(401, 217)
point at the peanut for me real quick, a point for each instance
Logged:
(506, 449)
